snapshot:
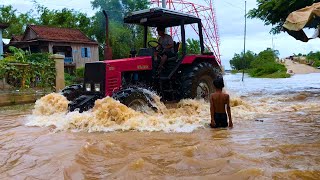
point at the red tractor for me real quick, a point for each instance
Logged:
(128, 80)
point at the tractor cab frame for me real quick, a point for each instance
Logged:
(161, 17)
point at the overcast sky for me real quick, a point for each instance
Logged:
(230, 18)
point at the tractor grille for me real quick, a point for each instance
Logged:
(112, 84)
(95, 73)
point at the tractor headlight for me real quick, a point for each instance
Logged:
(97, 87)
(88, 87)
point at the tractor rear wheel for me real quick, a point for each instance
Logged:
(197, 81)
(72, 92)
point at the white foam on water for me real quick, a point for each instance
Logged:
(110, 115)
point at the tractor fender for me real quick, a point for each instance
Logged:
(122, 94)
(192, 59)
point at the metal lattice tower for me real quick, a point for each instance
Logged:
(205, 11)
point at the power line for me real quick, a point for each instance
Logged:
(230, 4)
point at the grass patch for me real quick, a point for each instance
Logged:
(276, 75)
(233, 71)
(269, 70)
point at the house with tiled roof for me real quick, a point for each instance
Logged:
(77, 48)
(15, 38)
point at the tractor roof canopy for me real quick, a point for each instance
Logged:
(155, 17)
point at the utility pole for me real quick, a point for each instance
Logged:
(244, 42)
(165, 6)
(273, 43)
(163, 3)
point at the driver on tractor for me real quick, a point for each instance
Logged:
(165, 48)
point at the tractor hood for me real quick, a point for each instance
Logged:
(129, 64)
(115, 68)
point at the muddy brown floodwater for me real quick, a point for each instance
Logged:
(276, 135)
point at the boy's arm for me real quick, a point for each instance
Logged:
(229, 111)
(213, 123)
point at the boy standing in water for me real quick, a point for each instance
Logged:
(219, 105)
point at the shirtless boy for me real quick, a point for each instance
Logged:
(220, 106)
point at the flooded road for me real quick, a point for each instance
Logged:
(276, 135)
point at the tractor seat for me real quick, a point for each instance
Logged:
(176, 50)
(176, 47)
(171, 62)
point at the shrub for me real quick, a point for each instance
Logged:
(265, 65)
(314, 56)
(34, 70)
(69, 79)
(316, 64)
(80, 72)
(277, 75)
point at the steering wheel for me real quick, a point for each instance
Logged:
(157, 45)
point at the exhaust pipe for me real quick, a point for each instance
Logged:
(107, 48)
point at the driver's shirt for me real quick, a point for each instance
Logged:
(165, 41)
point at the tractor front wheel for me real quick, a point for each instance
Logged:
(72, 92)
(137, 101)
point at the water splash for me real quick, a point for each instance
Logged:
(110, 115)
(51, 104)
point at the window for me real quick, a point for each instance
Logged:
(85, 52)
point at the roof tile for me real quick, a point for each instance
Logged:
(60, 34)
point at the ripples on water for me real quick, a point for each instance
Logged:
(275, 136)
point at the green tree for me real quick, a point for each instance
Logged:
(67, 18)
(264, 57)
(239, 63)
(112, 7)
(123, 37)
(314, 57)
(117, 9)
(275, 12)
(17, 22)
(58, 18)
(120, 40)
(265, 65)
(193, 46)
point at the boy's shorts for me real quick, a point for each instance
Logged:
(221, 120)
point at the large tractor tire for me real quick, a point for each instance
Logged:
(197, 81)
(137, 101)
(136, 98)
(83, 102)
(72, 92)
